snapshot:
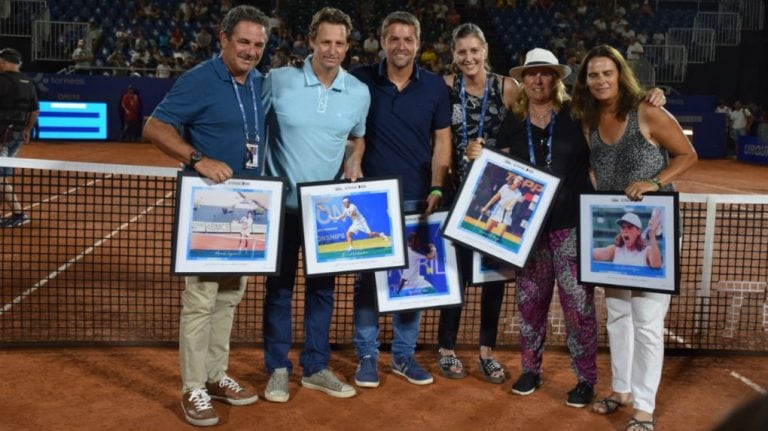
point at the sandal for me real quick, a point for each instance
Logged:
(607, 406)
(493, 372)
(449, 364)
(638, 425)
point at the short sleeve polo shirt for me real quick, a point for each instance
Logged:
(400, 126)
(203, 103)
(308, 125)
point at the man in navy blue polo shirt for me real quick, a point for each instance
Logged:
(407, 135)
(218, 104)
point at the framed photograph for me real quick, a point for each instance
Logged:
(352, 226)
(628, 244)
(486, 269)
(431, 279)
(234, 227)
(501, 207)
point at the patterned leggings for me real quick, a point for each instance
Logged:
(554, 259)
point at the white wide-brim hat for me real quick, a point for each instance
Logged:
(538, 57)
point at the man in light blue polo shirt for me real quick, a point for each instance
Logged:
(408, 135)
(217, 104)
(315, 122)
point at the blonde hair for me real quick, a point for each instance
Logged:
(463, 31)
(559, 98)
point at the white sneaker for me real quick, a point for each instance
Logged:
(277, 386)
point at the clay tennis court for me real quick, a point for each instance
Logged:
(125, 387)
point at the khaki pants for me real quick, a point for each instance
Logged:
(208, 309)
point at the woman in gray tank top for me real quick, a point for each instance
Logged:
(635, 149)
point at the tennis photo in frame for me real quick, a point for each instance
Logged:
(352, 226)
(501, 207)
(431, 279)
(486, 269)
(628, 244)
(231, 228)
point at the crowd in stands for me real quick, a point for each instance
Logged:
(159, 38)
(163, 38)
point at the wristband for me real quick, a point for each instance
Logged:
(656, 182)
(436, 191)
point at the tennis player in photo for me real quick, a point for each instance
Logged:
(353, 226)
(634, 245)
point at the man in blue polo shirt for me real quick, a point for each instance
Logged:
(408, 135)
(315, 114)
(218, 105)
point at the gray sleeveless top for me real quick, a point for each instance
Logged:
(630, 159)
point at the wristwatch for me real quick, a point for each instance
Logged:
(195, 157)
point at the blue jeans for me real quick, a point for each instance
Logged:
(318, 310)
(405, 326)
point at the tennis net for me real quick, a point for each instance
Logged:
(93, 267)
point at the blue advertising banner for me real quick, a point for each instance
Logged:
(107, 89)
(708, 132)
(687, 104)
(752, 149)
(706, 129)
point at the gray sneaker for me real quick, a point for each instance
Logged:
(277, 386)
(326, 381)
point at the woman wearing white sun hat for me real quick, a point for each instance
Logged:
(542, 131)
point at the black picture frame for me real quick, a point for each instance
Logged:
(233, 228)
(486, 269)
(509, 227)
(616, 245)
(431, 279)
(377, 238)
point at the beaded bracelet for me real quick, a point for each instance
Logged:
(656, 182)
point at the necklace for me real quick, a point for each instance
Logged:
(540, 119)
(537, 116)
(541, 116)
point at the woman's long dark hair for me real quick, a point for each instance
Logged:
(584, 105)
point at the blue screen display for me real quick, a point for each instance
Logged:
(73, 120)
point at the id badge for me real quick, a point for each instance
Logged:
(251, 155)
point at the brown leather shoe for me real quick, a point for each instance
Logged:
(198, 409)
(229, 391)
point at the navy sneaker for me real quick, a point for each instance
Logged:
(411, 370)
(367, 374)
(581, 395)
(16, 220)
(526, 383)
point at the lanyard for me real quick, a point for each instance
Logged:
(463, 96)
(551, 128)
(242, 110)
